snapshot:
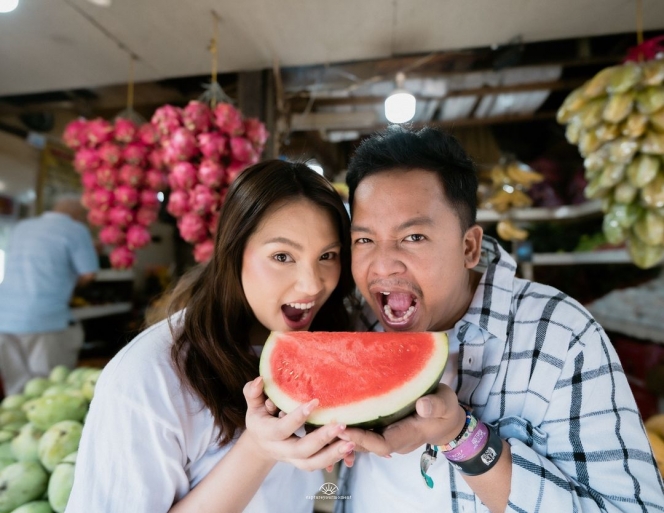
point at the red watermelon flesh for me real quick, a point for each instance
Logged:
(368, 379)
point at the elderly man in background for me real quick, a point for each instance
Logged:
(48, 256)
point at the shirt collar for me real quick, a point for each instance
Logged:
(490, 307)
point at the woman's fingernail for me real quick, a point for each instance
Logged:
(347, 448)
(388, 456)
(309, 407)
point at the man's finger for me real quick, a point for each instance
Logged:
(443, 403)
(367, 440)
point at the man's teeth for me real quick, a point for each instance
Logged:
(390, 314)
(385, 293)
(302, 306)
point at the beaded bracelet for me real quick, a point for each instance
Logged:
(466, 431)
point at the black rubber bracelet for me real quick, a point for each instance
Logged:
(486, 459)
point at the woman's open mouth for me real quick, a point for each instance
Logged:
(398, 308)
(297, 315)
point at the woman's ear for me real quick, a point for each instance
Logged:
(472, 241)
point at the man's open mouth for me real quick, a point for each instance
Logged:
(398, 307)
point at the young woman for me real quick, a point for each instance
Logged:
(179, 421)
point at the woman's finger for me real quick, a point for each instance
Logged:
(313, 442)
(326, 457)
(253, 393)
(288, 424)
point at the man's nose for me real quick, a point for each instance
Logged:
(387, 260)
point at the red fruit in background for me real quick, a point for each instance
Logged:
(183, 144)
(131, 175)
(196, 117)
(233, 170)
(89, 180)
(125, 130)
(242, 149)
(178, 203)
(203, 250)
(97, 217)
(211, 174)
(137, 236)
(88, 199)
(75, 135)
(148, 134)
(156, 159)
(86, 159)
(120, 216)
(126, 196)
(110, 153)
(212, 145)
(192, 228)
(146, 216)
(203, 200)
(99, 131)
(122, 257)
(112, 235)
(167, 119)
(135, 153)
(182, 176)
(228, 119)
(256, 132)
(102, 198)
(107, 177)
(155, 179)
(148, 198)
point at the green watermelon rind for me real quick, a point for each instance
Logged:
(373, 413)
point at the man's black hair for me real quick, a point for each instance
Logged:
(430, 149)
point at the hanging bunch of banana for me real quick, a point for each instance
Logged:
(617, 121)
(509, 183)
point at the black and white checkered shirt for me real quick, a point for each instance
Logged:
(533, 362)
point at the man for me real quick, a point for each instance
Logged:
(47, 257)
(529, 360)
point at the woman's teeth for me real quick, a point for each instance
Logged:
(302, 306)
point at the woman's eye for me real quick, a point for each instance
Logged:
(282, 257)
(415, 237)
(330, 255)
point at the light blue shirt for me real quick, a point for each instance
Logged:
(45, 257)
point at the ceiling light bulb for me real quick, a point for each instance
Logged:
(8, 5)
(400, 106)
(102, 3)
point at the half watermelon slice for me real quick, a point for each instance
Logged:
(367, 380)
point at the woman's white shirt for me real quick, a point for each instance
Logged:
(148, 440)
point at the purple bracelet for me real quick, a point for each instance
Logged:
(470, 447)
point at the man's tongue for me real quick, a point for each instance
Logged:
(399, 302)
(294, 314)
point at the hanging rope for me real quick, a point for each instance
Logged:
(214, 51)
(130, 85)
(639, 22)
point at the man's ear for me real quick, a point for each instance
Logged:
(472, 241)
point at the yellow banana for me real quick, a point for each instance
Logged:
(508, 231)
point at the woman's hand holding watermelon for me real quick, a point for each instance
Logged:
(437, 420)
(274, 438)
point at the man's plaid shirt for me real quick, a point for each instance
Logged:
(533, 362)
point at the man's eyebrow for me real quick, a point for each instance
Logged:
(415, 221)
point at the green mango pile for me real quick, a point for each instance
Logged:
(617, 121)
(40, 430)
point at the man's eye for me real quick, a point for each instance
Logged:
(282, 257)
(415, 237)
(362, 240)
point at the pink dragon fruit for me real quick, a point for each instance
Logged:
(196, 117)
(131, 175)
(146, 216)
(148, 198)
(155, 179)
(122, 257)
(110, 153)
(135, 153)
(228, 119)
(211, 173)
(256, 132)
(102, 198)
(120, 216)
(99, 131)
(125, 130)
(167, 119)
(242, 150)
(112, 235)
(97, 217)
(107, 177)
(126, 196)
(88, 199)
(183, 143)
(137, 236)
(203, 200)
(212, 145)
(192, 228)
(213, 223)
(233, 170)
(89, 180)
(203, 250)
(178, 203)
(156, 158)
(86, 159)
(183, 176)
(148, 134)
(75, 135)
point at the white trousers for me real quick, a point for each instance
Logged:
(29, 355)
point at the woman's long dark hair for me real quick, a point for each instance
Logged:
(211, 349)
